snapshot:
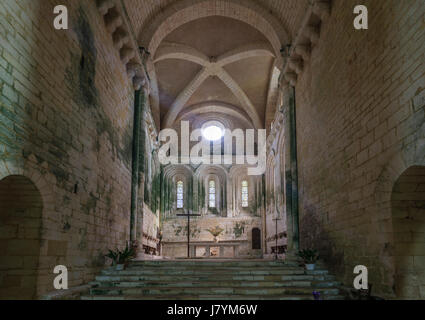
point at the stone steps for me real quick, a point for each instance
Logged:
(192, 267)
(209, 277)
(215, 284)
(216, 272)
(219, 263)
(212, 284)
(213, 290)
(229, 280)
(209, 297)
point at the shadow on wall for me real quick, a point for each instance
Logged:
(20, 232)
(408, 219)
(313, 235)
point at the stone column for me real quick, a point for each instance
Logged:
(135, 163)
(140, 210)
(167, 197)
(229, 196)
(263, 209)
(162, 194)
(223, 200)
(291, 169)
(294, 169)
(137, 177)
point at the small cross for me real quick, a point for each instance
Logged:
(188, 215)
(276, 220)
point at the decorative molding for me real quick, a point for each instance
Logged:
(300, 51)
(322, 8)
(118, 26)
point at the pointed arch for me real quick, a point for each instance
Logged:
(185, 11)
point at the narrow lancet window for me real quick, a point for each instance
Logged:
(244, 194)
(211, 194)
(180, 195)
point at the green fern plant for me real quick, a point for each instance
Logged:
(113, 255)
(121, 257)
(310, 256)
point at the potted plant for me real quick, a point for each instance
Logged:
(310, 257)
(113, 255)
(216, 231)
(121, 258)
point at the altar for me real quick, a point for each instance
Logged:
(205, 249)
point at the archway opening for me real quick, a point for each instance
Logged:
(20, 231)
(408, 218)
(256, 239)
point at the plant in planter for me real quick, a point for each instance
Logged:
(216, 231)
(214, 211)
(121, 258)
(310, 257)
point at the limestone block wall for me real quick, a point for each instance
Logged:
(408, 217)
(150, 227)
(275, 196)
(20, 227)
(360, 124)
(66, 109)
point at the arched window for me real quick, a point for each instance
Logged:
(180, 195)
(244, 194)
(211, 194)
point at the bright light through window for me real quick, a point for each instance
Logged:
(212, 194)
(244, 194)
(180, 195)
(213, 133)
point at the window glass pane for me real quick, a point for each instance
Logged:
(211, 194)
(244, 194)
(180, 195)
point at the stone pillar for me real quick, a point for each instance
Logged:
(262, 194)
(229, 196)
(190, 197)
(166, 197)
(135, 164)
(137, 177)
(162, 194)
(223, 200)
(291, 169)
(294, 168)
(140, 210)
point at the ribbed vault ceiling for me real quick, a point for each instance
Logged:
(222, 61)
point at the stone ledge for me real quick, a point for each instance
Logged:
(69, 294)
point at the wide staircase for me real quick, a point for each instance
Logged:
(214, 279)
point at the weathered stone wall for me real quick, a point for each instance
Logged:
(150, 229)
(358, 108)
(235, 229)
(275, 197)
(20, 229)
(236, 222)
(408, 218)
(66, 109)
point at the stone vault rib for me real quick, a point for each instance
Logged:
(212, 67)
